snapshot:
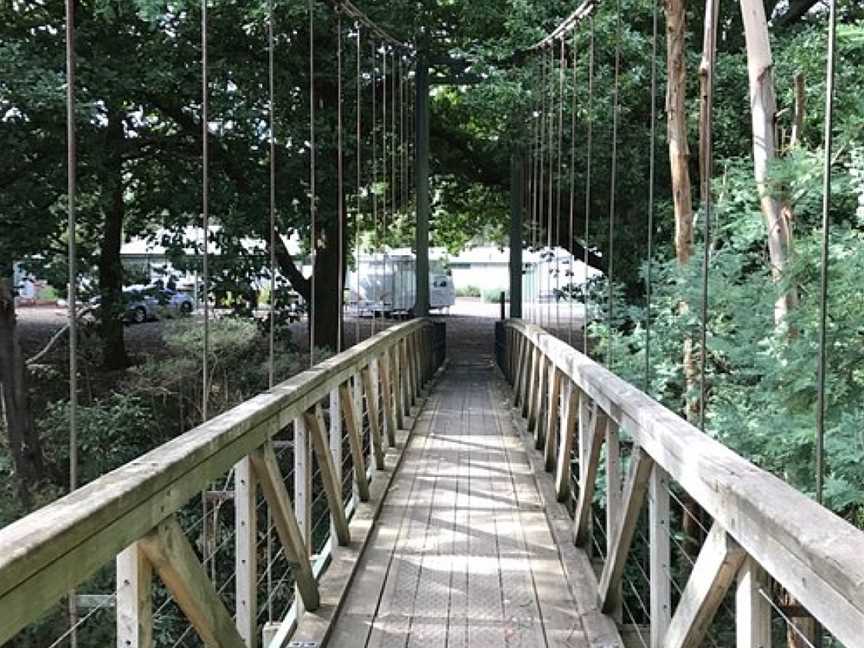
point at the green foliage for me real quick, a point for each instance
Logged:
(761, 380)
(467, 291)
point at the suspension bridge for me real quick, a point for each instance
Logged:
(420, 489)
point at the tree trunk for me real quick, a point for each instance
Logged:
(682, 201)
(23, 441)
(679, 150)
(110, 264)
(326, 310)
(327, 302)
(763, 107)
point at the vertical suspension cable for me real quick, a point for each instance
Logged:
(72, 288)
(708, 163)
(205, 265)
(613, 183)
(540, 185)
(560, 170)
(536, 145)
(550, 201)
(313, 207)
(340, 183)
(571, 240)
(651, 169)
(375, 273)
(824, 257)
(358, 155)
(384, 178)
(588, 145)
(205, 214)
(271, 378)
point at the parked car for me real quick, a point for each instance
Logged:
(145, 303)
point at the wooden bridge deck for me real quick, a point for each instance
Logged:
(463, 553)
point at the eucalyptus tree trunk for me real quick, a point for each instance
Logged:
(763, 109)
(682, 201)
(679, 162)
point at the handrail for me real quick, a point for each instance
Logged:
(47, 553)
(814, 554)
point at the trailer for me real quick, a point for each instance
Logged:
(384, 285)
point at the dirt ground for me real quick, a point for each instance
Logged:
(470, 329)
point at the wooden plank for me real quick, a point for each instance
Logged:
(622, 532)
(752, 609)
(588, 465)
(332, 486)
(371, 395)
(660, 555)
(287, 527)
(553, 418)
(173, 558)
(822, 575)
(355, 442)
(134, 599)
(712, 575)
(565, 450)
(246, 552)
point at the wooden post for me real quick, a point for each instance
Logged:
(134, 599)
(174, 559)
(387, 398)
(516, 192)
(371, 395)
(302, 497)
(336, 440)
(355, 441)
(287, 519)
(396, 377)
(660, 567)
(614, 517)
(620, 534)
(412, 366)
(521, 365)
(535, 416)
(421, 306)
(592, 430)
(332, 486)
(571, 400)
(752, 609)
(553, 417)
(713, 573)
(246, 552)
(405, 376)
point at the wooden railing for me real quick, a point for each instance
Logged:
(761, 528)
(131, 513)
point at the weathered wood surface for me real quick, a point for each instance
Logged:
(45, 554)
(810, 551)
(463, 554)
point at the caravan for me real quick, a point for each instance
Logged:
(383, 285)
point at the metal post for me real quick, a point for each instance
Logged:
(421, 305)
(516, 234)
